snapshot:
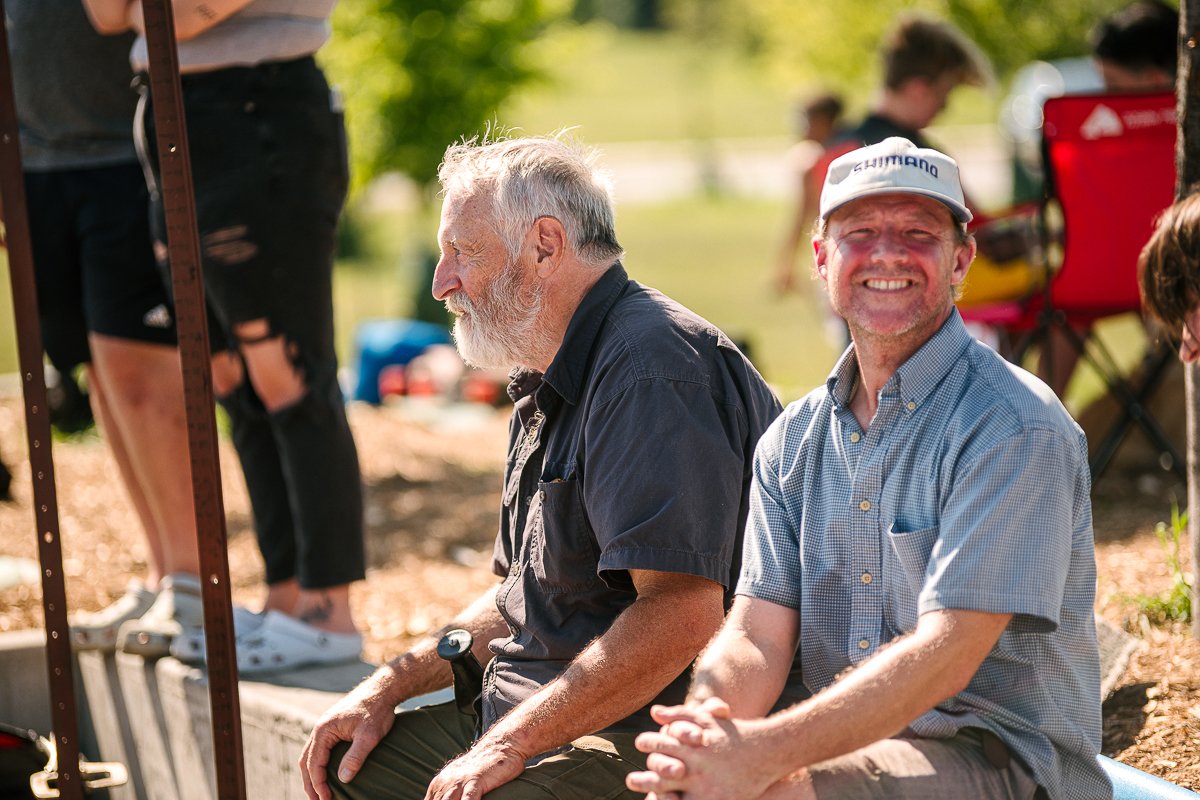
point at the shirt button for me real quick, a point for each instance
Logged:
(911, 406)
(867, 578)
(854, 437)
(863, 644)
(865, 505)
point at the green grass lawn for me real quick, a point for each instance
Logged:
(620, 86)
(8, 336)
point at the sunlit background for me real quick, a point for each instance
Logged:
(693, 105)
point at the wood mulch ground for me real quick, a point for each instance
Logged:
(432, 485)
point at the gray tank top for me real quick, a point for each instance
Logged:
(74, 104)
(265, 30)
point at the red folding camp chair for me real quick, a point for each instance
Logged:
(1110, 170)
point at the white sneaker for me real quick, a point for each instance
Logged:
(189, 647)
(97, 630)
(282, 642)
(178, 606)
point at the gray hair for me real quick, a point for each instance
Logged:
(538, 177)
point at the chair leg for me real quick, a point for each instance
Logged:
(1133, 403)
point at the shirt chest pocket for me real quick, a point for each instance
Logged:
(563, 551)
(905, 559)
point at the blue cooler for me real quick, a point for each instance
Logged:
(380, 343)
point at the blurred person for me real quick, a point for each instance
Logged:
(1135, 49)
(819, 121)
(924, 60)
(101, 301)
(269, 168)
(1169, 275)
(918, 562)
(625, 495)
(821, 118)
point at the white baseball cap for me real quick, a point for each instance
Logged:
(894, 165)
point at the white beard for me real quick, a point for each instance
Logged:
(500, 329)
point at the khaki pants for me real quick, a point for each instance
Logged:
(922, 769)
(422, 741)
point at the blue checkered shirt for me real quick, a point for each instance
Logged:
(970, 490)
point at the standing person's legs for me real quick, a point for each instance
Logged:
(102, 301)
(270, 181)
(141, 390)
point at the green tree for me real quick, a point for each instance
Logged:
(836, 44)
(417, 75)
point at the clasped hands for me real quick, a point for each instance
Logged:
(700, 753)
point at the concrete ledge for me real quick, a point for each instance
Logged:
(156, 719)
(25, 690)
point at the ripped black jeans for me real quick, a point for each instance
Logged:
(269, 168)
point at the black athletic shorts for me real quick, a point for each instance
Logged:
(93, 261)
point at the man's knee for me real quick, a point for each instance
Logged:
(331, 769)
(402, 764)
(593, 766)
(273, 362)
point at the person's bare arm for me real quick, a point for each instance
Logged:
(192, 17)
(109, 16)
(705, 753)
(748, 662)
(646, 647)
(365, 715)
(798, 235)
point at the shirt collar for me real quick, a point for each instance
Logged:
(568, 370)
(916, 377)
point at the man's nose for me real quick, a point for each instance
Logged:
(445, 278)
(889, 246)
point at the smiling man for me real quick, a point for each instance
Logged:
(918, 561)
(626, 491)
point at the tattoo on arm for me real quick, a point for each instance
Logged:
(206, 12)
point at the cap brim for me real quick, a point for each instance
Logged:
(960, 212)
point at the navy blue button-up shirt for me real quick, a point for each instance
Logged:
(633, 451)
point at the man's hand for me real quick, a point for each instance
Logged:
(362, 718)
(476, 772)
(701, 754)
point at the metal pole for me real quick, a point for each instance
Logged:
(183, 244)
(37, 428)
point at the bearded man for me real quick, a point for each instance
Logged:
(626, 490)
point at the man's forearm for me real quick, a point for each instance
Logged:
(748, 662)
(108, 16)
(880, 697)
(420, 670)
(646, 647)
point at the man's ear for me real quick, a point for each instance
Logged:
(963, 256)
(549, 243)
(820, 257)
